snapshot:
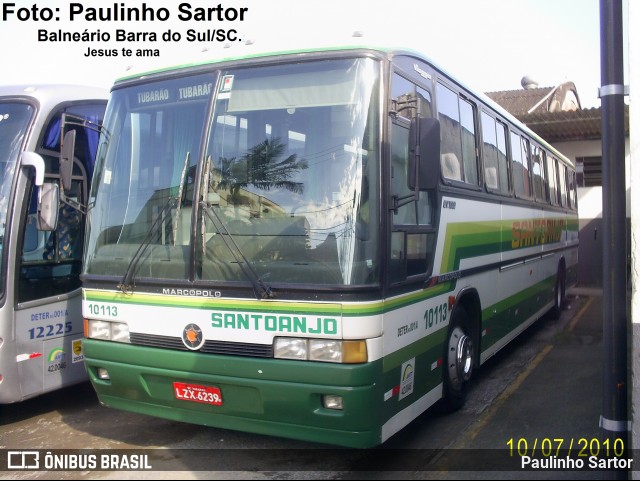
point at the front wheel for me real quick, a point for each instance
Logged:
(459, 354)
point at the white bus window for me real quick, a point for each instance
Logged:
(571, 189)
(403, 97)
(503, 159)
(540, 185)
(552, 174)
(451, 148)
(490, 151)
(562, 182)
(468, 133)
(458, 148)
(520, 163)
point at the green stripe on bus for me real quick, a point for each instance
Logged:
(485, 237)
(434, 340)
(244, 305)
(471, 239)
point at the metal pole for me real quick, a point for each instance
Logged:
(614, 420)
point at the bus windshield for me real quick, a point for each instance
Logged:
(267, 173)
(14, 120)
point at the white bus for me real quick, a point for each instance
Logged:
(40, 245)
(317, 244)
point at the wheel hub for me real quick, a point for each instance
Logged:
(460, 360)
(464, 356)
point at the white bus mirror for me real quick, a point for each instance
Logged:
(66, 159)
(48, 206)
(34, 160)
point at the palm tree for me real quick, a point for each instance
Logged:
(262, 168)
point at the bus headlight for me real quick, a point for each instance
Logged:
(106, 330)
(98, 330)
(323, 350)
(290, 348)
(120, 332)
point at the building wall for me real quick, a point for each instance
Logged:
(592, 148)
(590, 212)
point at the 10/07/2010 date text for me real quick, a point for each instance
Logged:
(581, 447)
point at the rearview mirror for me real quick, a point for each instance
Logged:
(48, 206)
(66, 159)
(424, 153)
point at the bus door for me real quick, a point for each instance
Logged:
(48, 311)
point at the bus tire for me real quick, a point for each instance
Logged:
(458, 358)
(559, 294)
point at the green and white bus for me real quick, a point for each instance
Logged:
(41, 245)
(317, 245)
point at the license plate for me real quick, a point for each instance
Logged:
(197, 393)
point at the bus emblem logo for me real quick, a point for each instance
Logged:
(192, 337)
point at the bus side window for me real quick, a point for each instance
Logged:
(490, 151)
(496, 162)
(552, 175)
(562, 183)
(520, 163)
(451, 149)
(540, 183)
(458, 133)
(572, 190)
(468, 132)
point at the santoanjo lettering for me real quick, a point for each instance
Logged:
(275, 323)
(534, 232)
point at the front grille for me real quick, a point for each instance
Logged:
(210, 347)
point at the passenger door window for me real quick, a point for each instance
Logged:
(50, 261)
(412, 231)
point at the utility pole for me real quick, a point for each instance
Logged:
(614, 419)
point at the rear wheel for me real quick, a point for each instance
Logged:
(459, 355)
(559, 294)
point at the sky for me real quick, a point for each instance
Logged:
(489, 45)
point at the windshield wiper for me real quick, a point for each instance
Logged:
(260, 289)
(126, 285)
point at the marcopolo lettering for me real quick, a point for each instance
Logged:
(190, 292)
(274, 323)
